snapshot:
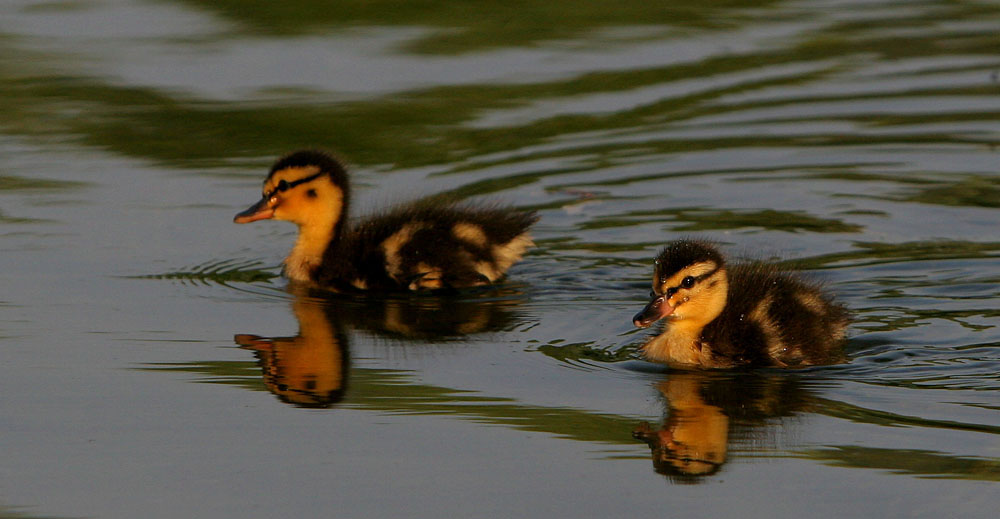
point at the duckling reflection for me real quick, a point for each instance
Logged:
(429, 318)
(311, 369)
(707, 413)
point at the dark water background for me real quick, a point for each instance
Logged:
(856, 139)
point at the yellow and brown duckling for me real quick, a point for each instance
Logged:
(747, 314)
(420, 246)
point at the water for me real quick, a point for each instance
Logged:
(154, 365)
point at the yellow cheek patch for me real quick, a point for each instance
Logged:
(318, 203)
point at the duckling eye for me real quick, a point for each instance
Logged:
(687, 282)
(282, 186)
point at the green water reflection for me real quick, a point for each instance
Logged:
(976, 191)
(919, 463)
(697, 219)
(430, 126)
(731, 412)
(395, 392)
(707, 415)
(14, 183)
(479, 24)
(4, 219)
(872, 253)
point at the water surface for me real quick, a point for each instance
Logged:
(155, 365)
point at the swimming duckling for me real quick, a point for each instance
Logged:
(749, 314)
(421, 246)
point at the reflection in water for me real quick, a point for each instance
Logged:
(427, 318)
(454, 31)
(708, 412)
(866, 149)
(699, 219)
(310, 369)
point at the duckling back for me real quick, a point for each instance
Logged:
(776, 318)
(426, 246)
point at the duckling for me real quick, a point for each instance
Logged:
(420, 246)
(749, 314)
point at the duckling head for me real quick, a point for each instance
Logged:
(689, 286)
(307, 187)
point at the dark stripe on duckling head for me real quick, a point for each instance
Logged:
(284, 185)
(684, 253)
(312, 158)
(306, 158)
(326, 164)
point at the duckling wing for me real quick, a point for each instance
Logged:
(425, 247)
(778, 318)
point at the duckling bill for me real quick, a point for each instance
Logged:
(747, 314)
(420, 246)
